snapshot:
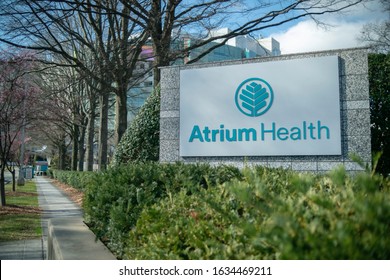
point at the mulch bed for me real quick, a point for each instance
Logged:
(15, 210)
(74, 194)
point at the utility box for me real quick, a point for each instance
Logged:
(28, 172)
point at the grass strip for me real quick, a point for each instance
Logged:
(21, 218)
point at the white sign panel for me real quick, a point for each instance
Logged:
(289, 107)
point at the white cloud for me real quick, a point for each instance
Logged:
(307, 36)
(343, 31)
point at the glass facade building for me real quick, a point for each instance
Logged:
(240, 47)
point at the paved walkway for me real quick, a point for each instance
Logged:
(55, 204)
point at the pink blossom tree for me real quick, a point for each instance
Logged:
(17, 97)
(14, 159)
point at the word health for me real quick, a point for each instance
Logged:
(273, 132)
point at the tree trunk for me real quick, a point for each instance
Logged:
(81, 148)
(75, 147)
(62, 155)
(161, 34)
(91, 131)
(11, 169)
(90, 138)
(2, 186)
(103, 130)
(120, 114)
(161, 58)
(13, 172)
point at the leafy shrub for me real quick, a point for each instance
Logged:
(140, 143)
(270, 214)
(340, 217)
(50, 173)
(184, 226)
(115, 198)
(76, 179)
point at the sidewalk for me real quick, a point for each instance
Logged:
(55, 204)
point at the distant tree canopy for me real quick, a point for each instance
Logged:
(377, 35)
(379, 77)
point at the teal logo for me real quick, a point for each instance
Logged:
(254, 97)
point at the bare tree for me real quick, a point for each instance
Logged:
(377, 35)
(165, 20)
(66, 101)
(113, 40)
(17, 99)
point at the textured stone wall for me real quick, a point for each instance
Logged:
(355, 116)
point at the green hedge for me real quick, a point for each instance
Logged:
(76, 179)
(115, 198)
(198, 211)
(270, 214)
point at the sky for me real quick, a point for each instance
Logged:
(344, 29)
